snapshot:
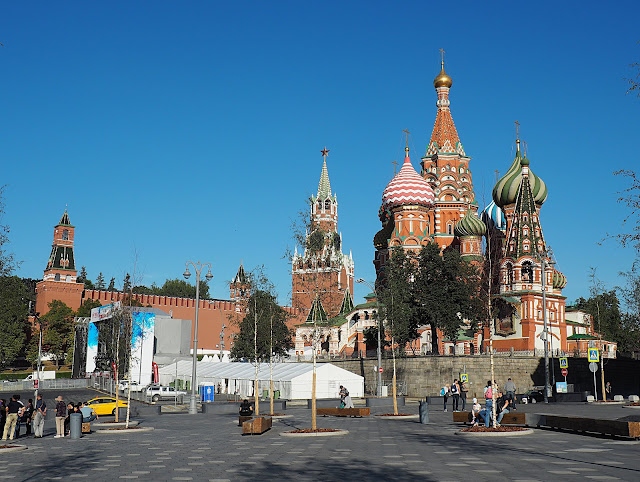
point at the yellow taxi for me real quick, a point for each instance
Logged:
(105, 405)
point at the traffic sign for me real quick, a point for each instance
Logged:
(464, 377)
(564, 363)
(564, 372)
(593, 366)
(380, 369)
(594, 355)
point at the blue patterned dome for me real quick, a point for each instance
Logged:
(493, 216)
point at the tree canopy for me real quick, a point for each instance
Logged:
(269, 318)
(7, 261)
(14, 310)
(59, 330)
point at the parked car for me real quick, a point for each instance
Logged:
(105, 405)
(159, 392)
(533, 396)
(135, 386)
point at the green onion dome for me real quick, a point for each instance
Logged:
(470, 225)
(506, 189)
(559, 280)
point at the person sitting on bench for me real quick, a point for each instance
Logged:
(88, 413)
(246, 410)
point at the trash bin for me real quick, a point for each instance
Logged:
(424, 412)
(276, 394)
(265, 393)
(75, 425)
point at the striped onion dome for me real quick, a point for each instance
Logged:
(559, 280)
(493, 216)
(407, 187)
(506, 189)
(470, 225)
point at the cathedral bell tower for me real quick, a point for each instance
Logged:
(59, 280)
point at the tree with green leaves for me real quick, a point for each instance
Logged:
(82, 278)
(85, 308)
(397, 302)
(59, 330)
(263, 312)
(112, 285)
(7, 260)
(14, 311)
(182, 289)
(446, 291)
(126, 283)
(100, 281)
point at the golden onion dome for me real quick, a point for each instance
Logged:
(442, 79)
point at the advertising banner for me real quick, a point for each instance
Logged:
(92, 348)
(142, 341)
(104, 312)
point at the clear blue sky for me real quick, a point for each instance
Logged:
(193, 130)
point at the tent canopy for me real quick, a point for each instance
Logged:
(292, 380)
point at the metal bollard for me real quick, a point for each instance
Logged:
(424, 412)
(75, 425)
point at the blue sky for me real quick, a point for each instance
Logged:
(182, 131)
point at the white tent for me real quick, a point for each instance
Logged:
(292, 380)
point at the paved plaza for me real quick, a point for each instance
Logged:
(209, 446)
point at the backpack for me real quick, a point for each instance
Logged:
(488, 393)
(442, 391)
(454, 389)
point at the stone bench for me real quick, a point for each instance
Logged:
(582, 424)
(343, 412)
(511, 418)
(256, 426)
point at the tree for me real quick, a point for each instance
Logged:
(59, 332)
(181, 289)
(605, 308)
(634, 83)
(126, 283)
(112, 285)
(447, 289)
(82, 278)
(630, 197)
(14, 310)
(100, 281)
(263, 308)
(85, 308)
(7, 260)
(397, 302)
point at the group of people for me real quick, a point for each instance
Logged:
(505, 403)
(457, 391)
(15, 413)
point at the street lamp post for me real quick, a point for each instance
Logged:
(379, 387)
(547, 386)
(198, 269)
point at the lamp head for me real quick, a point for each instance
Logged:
(186, 273)
(209, 275)
(360, 280)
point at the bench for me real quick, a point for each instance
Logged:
(511, 418)
(582, 424)
(257, 426)
(243, 418)
(86, 427)
(343, 412)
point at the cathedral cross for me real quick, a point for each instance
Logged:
(517, 129)
(395, 166)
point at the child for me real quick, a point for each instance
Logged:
(475, 410)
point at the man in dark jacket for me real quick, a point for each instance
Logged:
(12, 417)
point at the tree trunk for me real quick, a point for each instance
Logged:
(435, 349)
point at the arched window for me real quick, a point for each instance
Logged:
(57, 277)
(327, 204)
(527, 272)
(319, 206)
(449, 228)
(509, 275)
(65, 234)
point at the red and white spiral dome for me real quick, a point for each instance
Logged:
(407, 188)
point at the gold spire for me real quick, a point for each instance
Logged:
(442, 80)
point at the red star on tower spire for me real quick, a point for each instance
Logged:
(325, 152)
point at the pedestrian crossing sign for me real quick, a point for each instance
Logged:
(594, 355)
(464, 377)
(564, 363)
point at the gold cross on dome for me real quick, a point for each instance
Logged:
(517, 129)
(406, 136)
(442, 56)
(325, 152)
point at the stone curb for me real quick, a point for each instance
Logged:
(631, 406)
(315, 434)
(97, 425)
(16, 448)
(528, 431)
(126, 430)
(398, 417)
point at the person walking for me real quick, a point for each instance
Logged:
(445, 392)
(38, 418)
(510, 390)
(455, 394)
(61, 414)
(464, 390)
(12, 417)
